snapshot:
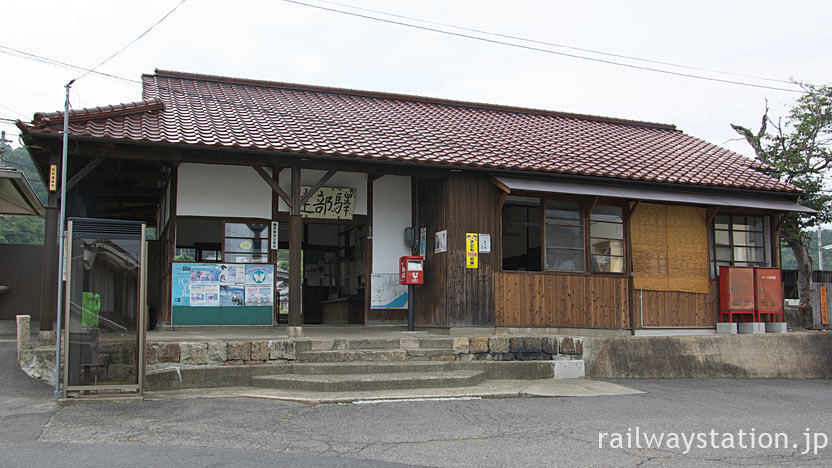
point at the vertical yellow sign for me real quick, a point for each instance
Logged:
(472, 246)
(824, 311)
(53, 178)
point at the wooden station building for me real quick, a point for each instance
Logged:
(527, 218)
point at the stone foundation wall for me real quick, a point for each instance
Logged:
(220, 352)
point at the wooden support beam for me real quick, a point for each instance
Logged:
(295, 239)
(320, 183)
(594, 202)
(712, 216)
(633, 209)
(274, 185)
(500, 185)
(782, 220)
(82, 173)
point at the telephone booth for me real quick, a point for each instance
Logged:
(104, 328)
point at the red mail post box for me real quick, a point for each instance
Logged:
(411, 270)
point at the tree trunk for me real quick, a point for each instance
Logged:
(804, 280)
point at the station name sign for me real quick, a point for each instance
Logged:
(329, 203)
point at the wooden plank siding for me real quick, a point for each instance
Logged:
(452, 294)
(677, 309)
(539, 299)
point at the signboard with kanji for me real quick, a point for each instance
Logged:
(471, 250)
(329, 203)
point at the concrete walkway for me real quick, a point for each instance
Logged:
(543, 388)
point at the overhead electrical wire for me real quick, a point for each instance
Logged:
(57, 63)
(547, 51)
(157, 23)
(552, 44)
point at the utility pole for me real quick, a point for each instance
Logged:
(3, 142)
(820, 247)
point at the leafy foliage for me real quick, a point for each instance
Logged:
(798, 150)
(23, 229)
(788, 262)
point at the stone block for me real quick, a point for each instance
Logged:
(238, 350)
(777, 327)
(571, 346)
(24, 333)
(441, 358)
(169, 352)
(517, 345)
(282, 349)
(46, 338)
(532, 344)
(465, 357)
(478, 345)
(254, 362)
(461, 345)
(409, 342)
(193, 353)
(752, 328)
(217, 352)
(259, 351)
(726, 328)
(234, 362)
(498, 344)
(549, 344)
(573, 369)
(501, 357)
(151, 353)
(532, 357)
(294, 332)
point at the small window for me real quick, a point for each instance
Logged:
(739, 240)
(521, 234)
(606, 237)
(246, 242)
(564, 237)
(198, 240)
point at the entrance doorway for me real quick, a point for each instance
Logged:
(334, 274)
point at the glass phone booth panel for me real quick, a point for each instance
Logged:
(104, 340)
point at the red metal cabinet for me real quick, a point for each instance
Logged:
(736, 292)
(768, 292)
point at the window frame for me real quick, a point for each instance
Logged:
(763, 247)
(587, 205)
(222, 251)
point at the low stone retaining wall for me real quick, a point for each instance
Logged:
(800, 355)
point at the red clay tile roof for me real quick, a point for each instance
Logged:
(225, 112)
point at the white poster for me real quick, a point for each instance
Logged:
(441, 242)
(205, 295)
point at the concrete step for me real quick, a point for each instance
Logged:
(366, 382)
(339, 368)
(366, 343)
(353, 355)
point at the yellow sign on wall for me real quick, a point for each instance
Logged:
(824, 311)
(53, 178)
(472, 247)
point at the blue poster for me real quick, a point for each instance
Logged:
(232, 295)
(181, 284)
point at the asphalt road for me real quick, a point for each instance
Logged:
(472, 433)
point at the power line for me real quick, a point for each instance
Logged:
(551, 44)
(547, 51)
(133, 41)
(57, 63)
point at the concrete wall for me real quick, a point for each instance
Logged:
(772, 356)
(222, 191)
(355, 180)
(391, 214)
(20, 270)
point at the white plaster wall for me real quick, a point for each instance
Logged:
(355, 180)
(391, 214)
(220, 190)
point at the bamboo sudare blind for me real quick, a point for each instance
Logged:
(670, 248)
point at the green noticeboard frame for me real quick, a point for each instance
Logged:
(183, 315)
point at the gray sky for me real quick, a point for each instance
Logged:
(281, 41)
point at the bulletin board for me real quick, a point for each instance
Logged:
(222, 294)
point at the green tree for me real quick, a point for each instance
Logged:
(23, 229)
(797, 148)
